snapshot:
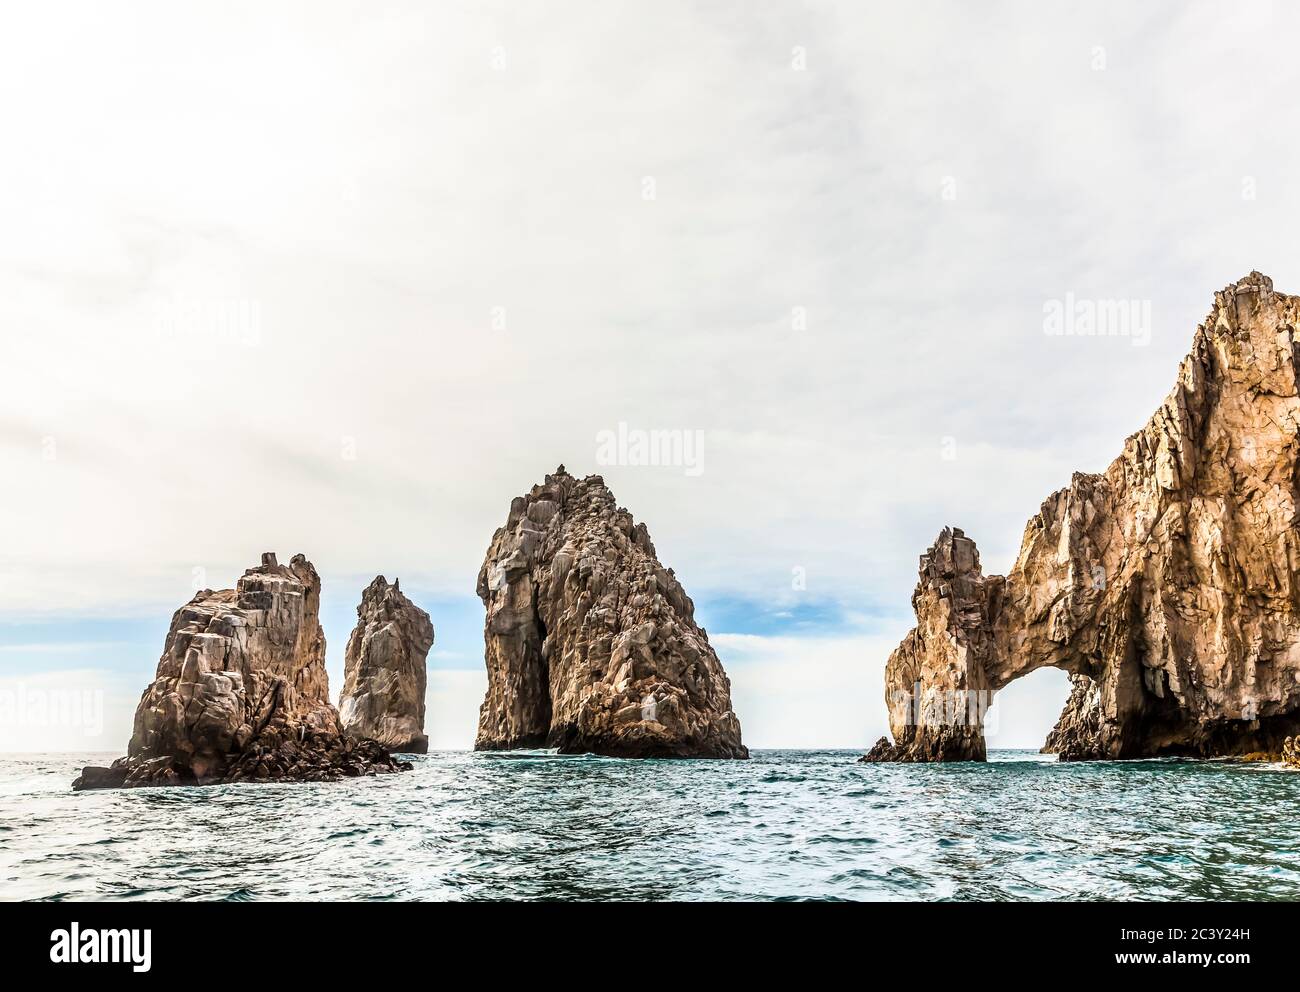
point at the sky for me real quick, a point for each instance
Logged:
(344, 278)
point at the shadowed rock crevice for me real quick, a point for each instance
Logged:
(1166, 585)
(591, 644)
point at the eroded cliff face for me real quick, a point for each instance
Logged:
(241, 692)
(937, 686)
(591, 644)
(384, 674)
(1166, 585)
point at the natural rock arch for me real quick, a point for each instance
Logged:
(1166, 585)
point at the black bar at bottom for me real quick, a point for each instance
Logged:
(658, 942)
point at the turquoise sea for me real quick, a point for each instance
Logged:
(784, 825)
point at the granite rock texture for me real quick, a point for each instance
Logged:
(591, 644)
(241, 693)
(1167, 586)
(384, 673)
(1291, 752)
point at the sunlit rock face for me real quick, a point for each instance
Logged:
(1291, 752)
(932, 681)
(241, 692)
(384, 674)
(591, 644)
(1166, 585)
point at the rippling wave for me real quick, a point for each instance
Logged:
(784, 825)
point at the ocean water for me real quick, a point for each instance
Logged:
(784, 825)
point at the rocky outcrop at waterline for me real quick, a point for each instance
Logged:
(384, 675)
(241, 693)
(1168, 586)
(932, 683)
(591, 644)
(1291, 752)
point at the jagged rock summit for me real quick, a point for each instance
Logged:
(384, 673)
(591, 644)
(241, 693)
(1166, 586)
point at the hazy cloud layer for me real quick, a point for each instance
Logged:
(343, 280)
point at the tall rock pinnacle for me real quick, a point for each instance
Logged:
(241, 692)
(384, 674)
(591, 644)
(1168, 586)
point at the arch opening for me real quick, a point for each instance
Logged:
(1026, 710)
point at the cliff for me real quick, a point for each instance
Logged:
(1166, 585)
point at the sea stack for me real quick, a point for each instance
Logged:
(591, 644)
(384, 674)
(241, 693)
(1167, 586)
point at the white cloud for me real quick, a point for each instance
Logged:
(451, 707)
(71, 710)
(1024, 712)
(810, 692)
(378, 189)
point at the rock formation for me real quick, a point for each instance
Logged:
(384, 673)
(1167, 585)
(241, 693)
(591, 644)
(936, 695)
(1291, 752)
